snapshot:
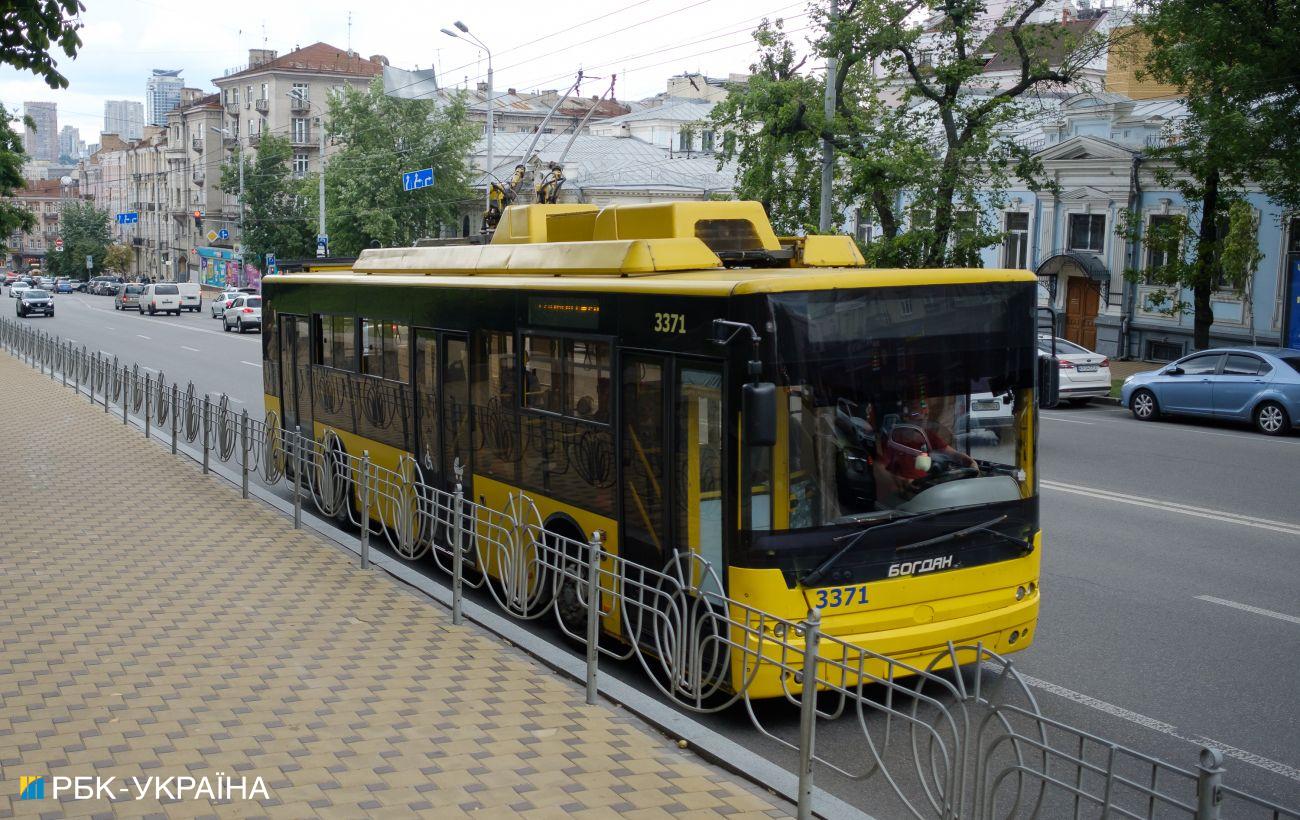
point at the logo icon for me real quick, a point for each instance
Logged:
(31, 787)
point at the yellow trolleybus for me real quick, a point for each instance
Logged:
(823, 434)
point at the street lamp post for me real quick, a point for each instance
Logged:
(487, 195)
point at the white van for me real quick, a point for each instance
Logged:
(162, 297)
(191, 296)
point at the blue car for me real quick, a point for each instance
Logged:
(1260, 385)
(63, 286)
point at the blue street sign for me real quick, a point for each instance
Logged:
(412, 180)
(128, 218)
(223, 234)
(271, 267)
(322, 241)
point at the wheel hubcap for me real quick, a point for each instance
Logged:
(1270, 418)
(1143, 405)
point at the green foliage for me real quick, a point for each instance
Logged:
(916, 120)
(1234, 256)
(13, 218)
(85, 232)
(384, 137)
(30, 29)
(1243, 97)
(279, 216)
(118, 258)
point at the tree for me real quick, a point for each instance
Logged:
(277, 218)
(1243, 100)
(85, 232)
(916, 113)
(383, 137)
(13, 218)
(118, 258)
(30, 28)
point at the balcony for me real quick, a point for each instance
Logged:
(232, 108)
(262, 106)
(198, 176)
(303, 139)
(297, 103)
(196, 145)
(255, 140)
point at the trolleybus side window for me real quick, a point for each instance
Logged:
(335, 354)
(426, 396)
(383, 402)
(493, 391)
(567, 376)
(698, 462)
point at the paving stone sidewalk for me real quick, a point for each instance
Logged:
(153, 624)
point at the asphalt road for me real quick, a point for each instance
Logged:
(1171, 577)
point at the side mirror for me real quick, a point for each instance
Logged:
(1174, 371)
(758, 403)
(1049, 382)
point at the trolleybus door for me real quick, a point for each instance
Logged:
(442, 404)
(672, 459)
(294, 361)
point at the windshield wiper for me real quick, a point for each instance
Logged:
(895, 517)
(962, 533)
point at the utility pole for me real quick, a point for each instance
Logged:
(322, 240)
(828, 150)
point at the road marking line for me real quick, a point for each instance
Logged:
(110, 328)
(1248, 608)
(1166, 427)
(190, 349)
(142, 336)
(1067, 421)
(1284, 527)
(250, 364)
(1163, 728)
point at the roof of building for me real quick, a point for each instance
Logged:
(511, 102)
(42, 188)
(677, 109)
(1051, 42)
(612, 162)
(317, 58)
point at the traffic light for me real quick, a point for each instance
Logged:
(198, 220)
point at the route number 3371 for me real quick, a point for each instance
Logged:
(840, 596)
(670, 323)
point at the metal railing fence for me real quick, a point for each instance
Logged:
(956, 734)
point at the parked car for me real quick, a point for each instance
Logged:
(128, 296)
(1260, 385)
(63, 286)
(1084, 375)
(244, 312)
(82, 286)
(105, 285)
(33, 300)
(223, 301)
(16, 289)
(163, 297)
(191, 296)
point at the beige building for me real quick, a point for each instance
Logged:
(44, 198)
(194, 153)
(288, 96)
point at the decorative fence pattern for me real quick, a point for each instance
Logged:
(960, 735)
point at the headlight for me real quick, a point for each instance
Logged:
(1128, 379)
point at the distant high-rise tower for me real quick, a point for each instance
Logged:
(124, 118)
(162, 95)
(42, 143)
(70, 142)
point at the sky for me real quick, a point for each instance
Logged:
(534, 45)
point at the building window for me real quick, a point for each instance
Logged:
(299, 92)
(685, 139)
(234, 96)
(249, 97)
(300, 164)
(706, 141)
(1015, 248)
(1088, 232)
(1158, 245)
(300, 130)
(862, 225)
(263, 97)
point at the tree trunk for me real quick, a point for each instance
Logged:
(888, 224)
(1203, 280)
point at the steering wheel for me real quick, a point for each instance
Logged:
(932, 479)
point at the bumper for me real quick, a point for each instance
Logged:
(1090, 391)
